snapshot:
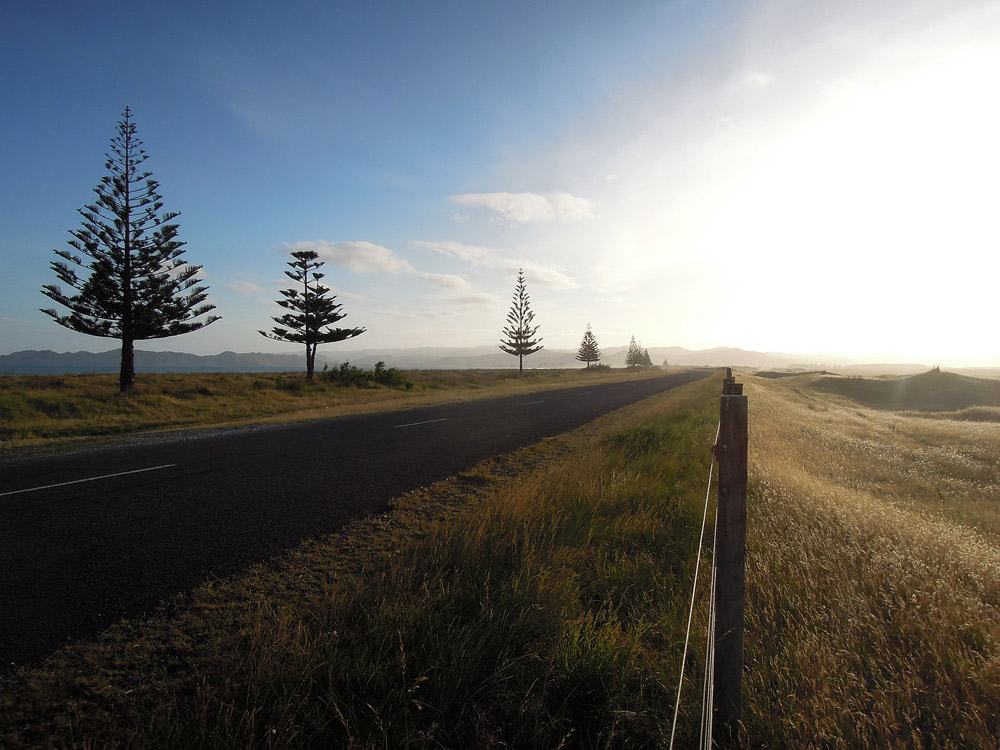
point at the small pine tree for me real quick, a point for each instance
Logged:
(588, 348)
(312, 309)
(520, 334)
(138, 287)
(646, 361)
(633, 357)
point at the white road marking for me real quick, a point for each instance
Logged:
(88, 479)
(583, 394)
(529, 403)
(429, 421)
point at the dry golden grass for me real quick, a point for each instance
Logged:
(873, 575)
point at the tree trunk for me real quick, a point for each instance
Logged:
(310, 360)
(126, 379)
(520, 366)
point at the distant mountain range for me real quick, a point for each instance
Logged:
(436, 358)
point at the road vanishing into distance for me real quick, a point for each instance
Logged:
(89, 536)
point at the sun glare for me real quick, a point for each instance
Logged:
(877, 216)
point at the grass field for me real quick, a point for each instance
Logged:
(873, 568)
(42, 409)
(539, 600)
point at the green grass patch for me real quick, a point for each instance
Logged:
(538, 600)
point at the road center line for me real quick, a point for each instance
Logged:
(583, 394)
(429, 421)
(529, 403)
(88, 479)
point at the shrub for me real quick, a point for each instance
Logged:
(391, 377)
(349, 375)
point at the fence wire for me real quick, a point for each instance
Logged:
(694, 590)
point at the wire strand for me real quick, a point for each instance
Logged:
(709, 701)
(694, 590)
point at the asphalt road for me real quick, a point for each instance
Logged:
(88, 537)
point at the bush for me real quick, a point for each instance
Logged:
(391, 377)
(349, 375)
(599, 366)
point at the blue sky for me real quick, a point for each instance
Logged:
(774, 175)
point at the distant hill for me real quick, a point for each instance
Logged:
(48, 362)
(431, 357)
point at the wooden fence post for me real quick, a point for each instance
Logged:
(730, 559)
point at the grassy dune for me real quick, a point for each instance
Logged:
(538, 600)
(37, 409)
(873, 572)
(932, 391)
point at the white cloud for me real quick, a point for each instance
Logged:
(469, 253)
(475, 300)
(400, 315)
(757, 79)
(246, 287)
(492, 259)
(525, 208)
(446, 281)
(543, 275)
(450, 307)
(570, 208)
(360, 257)
(349, 295)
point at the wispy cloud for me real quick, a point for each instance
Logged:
(349, 295)
(474, 300)
(450, 307)
(525, 208)
(247, 287)
(446, 281)
(485, 257)
(360, 257)
(757, 79)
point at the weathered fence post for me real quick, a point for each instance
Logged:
(730, 559)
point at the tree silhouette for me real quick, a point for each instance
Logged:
(138, 287)
(311, 309)
(588, 348)
(633, 357)
(520, 334)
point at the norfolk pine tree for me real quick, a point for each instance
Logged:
(138, 287)
(588, 348)
(520, 334)
(311, 309)
(633, 357)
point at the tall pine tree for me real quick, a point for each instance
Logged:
(633, 357)
(588, 348)
(519, 333)
(138, 287)
(312, 309)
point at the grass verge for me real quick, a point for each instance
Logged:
(43, 409)
(538, 600)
